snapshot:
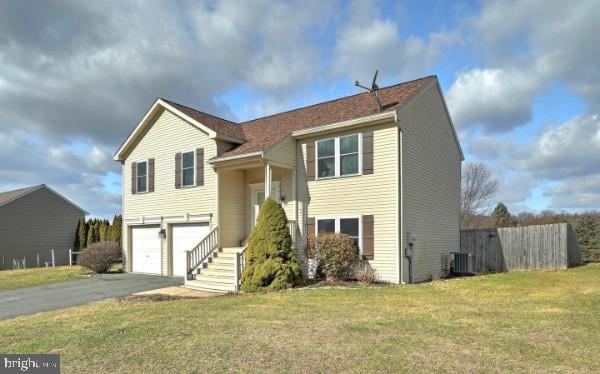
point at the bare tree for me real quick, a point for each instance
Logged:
(478, 186)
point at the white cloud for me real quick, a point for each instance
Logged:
(580, 193)
(497, 99)
(368, 42)
(25, 161)
(87, 71)
(486, 147)
(515, 189)
(526, 46)
(572, 149)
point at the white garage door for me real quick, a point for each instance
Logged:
(145, 244)
(185, 237)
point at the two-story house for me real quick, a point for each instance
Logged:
(386, 172)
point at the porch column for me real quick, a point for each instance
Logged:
(268, 180)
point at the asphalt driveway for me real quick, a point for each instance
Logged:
(37, 299)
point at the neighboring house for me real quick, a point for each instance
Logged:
(34, 221)
(346, 165)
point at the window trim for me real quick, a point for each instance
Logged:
(337, 157)
(337, 228)
(193, 151)
(137, 176)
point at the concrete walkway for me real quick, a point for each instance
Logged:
(31, 300)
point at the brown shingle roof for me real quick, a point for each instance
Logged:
(219, 125)
(262, 133)
(7, 196)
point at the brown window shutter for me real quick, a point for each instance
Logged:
(367, 152)
(178, 170)
(151, 175)
(200, 167)
(368, 238)
(310, 161)
(134, 178)
(310, 226)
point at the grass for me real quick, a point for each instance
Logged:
(517, 322)
(13, 279)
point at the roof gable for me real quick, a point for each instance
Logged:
(215, 127)
(10, 196)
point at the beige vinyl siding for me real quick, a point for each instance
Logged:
(35, 224)
(284, 153)
(168, 135)
(375, 194)
(223, 147)
(431, 172)
(232, 202)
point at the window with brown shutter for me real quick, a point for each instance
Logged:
(178, 170)
(310, 161)
(200, 167)
(368, 238)
(134, 178)
(151, 175)
(367, 152)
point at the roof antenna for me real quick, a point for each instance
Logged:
(374, 88)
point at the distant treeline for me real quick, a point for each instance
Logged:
(98, 230)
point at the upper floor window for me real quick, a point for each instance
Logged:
(349, 154)
(188, 169)
(326, 158)
(339, 156)
(142, 176)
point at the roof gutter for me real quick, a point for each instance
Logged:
(374, 119)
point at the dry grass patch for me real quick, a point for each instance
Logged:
(13, 279)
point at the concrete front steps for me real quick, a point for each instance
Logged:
(216, 275)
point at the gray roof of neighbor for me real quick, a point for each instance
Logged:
(9, 196)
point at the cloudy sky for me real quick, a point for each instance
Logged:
(522, 80)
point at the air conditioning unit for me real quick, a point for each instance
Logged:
(462, 263)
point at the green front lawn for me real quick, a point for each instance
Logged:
(525, 321)
(12, 279)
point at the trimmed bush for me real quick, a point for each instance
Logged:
(271, 263)
(100, 256)
(335, 254)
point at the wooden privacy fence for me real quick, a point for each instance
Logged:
(552, 246)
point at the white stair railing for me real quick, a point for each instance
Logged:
(197, 255)
(238, 268)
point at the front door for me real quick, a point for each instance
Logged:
(258, 198)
